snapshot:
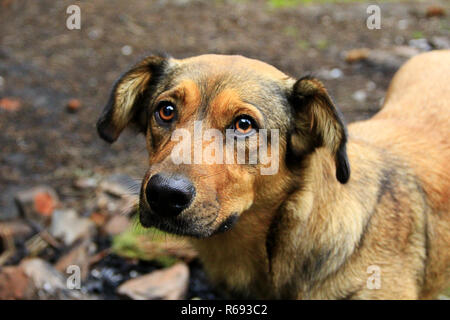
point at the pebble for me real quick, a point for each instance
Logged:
(435, 11)
(421, 44)
(67, 226)
(126, 50)
(85, 183)
(48, 282)
(10, 104)
(360, 95)
(116, 225)
(119, 185)
(336, 73)
(79, 256)
(356, 55)
(166, 284)
(73, 105)
(38, 203)
(440, 42)
(14, 284)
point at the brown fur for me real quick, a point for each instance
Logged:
(312, 230)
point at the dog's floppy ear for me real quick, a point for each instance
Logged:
(318, 123)
(127, 98)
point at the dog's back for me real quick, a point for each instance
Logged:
(414, 125)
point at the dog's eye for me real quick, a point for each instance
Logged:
(244, 125)
(165, 113)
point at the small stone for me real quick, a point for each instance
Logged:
(73, 105)
(37, 204)
(119, 185)
(332, 74)
(167, 284)
(391, 59)
(98, 218)
(435, 11)
(126, 50)
(118, 194)
(67, 226)
(359, 95)
(336, 73)
(357, 55)
(48, 282)
(85, 183)
(116, 225)
(43, 274)
(44, 204)
(107, 203)
(15, 284)
(440, 42)
(405, 51)
(78, 256)
(15, 229)
(10, 104)
(421, 44)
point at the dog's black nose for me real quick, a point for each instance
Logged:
(169, 195)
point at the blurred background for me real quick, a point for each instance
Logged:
(66, 197)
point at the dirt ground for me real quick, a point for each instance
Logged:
(44, 64)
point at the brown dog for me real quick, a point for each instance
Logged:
(311, 230)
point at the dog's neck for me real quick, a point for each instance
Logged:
(236, 261)
(280, 243)
(245, 260)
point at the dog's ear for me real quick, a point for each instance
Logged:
(318, 123)
(127, 98)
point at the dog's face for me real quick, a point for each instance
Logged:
(195, 112)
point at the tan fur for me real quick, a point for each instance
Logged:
(126, 95)
(325, 214)
(301, 233)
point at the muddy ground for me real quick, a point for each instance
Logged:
(44, 65)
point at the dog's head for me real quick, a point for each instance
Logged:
(213, 124)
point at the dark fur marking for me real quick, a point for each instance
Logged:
(313, 264)
(385, 187)
(228, 223)
(105, 128)
(302, 97)
(271, 238)
(274, 228)
(352, 293)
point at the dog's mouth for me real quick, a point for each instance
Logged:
(185, 226)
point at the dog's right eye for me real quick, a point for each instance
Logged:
(165, 112)
(244, 125)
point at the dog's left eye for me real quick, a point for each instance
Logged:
(244, 125)
(165, 112)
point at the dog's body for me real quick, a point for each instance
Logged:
(311, 231)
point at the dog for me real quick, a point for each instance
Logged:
(351, 213)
